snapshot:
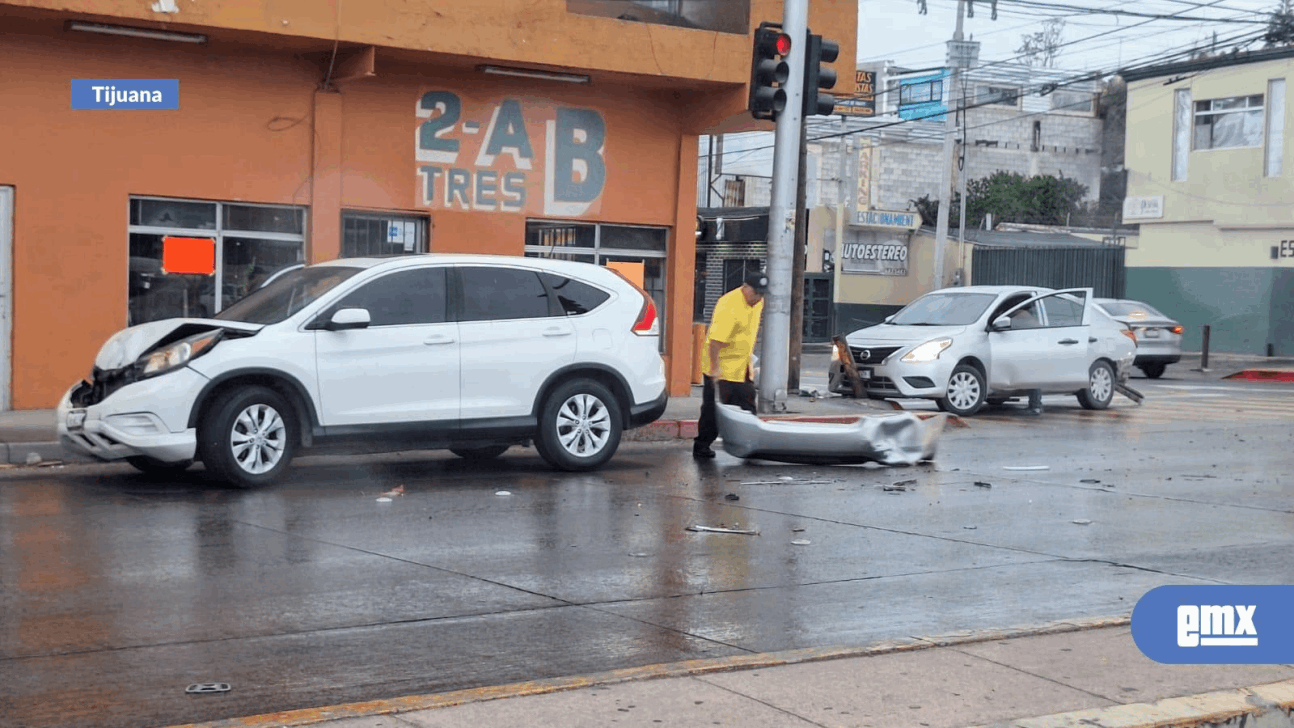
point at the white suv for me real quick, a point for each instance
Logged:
(467, 352)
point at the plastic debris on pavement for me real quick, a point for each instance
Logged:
(711, 529)
(983, 484)
(503, 492)
(394, 492)
(383, 499)
(1026, 467)
(801, 542)
(732, 497)
(888, 439)
(1081, 522)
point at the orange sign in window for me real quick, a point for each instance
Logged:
(193, 256)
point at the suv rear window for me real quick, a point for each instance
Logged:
(575, 297)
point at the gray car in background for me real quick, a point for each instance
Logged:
(1159, 338)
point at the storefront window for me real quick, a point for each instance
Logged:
(251, 243)
(637, 249)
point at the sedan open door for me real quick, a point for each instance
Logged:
(1048, 348)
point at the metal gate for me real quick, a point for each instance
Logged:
(817, 307)
(1100, 268)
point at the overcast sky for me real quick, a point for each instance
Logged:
(894, 30)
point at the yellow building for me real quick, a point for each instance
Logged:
(1206, 151)
(301, 131)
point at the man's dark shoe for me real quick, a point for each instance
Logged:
(1033, 411)
(702, 452)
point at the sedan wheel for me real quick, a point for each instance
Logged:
(1153, 371)
(965, 391)
(579, 427)
(1100, 387)
(249, 438)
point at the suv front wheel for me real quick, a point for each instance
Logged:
(248, 438)
(579, 426)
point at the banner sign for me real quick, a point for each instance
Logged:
(519, 155)
(126, 94)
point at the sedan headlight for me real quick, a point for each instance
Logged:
(927, 352)
(178, 354)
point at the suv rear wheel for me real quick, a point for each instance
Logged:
(249, 437)
(579, 426)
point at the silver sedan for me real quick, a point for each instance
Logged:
(1159, 338)
(968, 346)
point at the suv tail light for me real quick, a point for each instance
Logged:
(647, 324)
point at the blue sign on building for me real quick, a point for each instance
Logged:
(923, 97)
(126, 93)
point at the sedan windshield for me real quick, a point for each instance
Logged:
(1135, 309)
(944, 309)
(285, 296)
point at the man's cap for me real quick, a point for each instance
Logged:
(758, 281)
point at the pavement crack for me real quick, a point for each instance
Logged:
(765, 703)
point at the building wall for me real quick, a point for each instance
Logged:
(864, 300)
(252, 128)
(1214, 256)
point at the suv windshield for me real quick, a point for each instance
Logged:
(285, 296)
(944, 309)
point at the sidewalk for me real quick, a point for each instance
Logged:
(1061, 675)
(28, 437)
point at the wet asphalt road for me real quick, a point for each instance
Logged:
(119, 591)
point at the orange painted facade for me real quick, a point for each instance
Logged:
(256, 124)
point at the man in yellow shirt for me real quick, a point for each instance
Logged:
(725, 359)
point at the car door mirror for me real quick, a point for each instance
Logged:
(1001, 323)
(348, 318)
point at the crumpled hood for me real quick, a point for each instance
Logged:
(899, 335)
(126, 346)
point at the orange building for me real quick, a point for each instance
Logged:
(306, 130)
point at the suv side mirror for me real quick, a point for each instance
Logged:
(348, 318)
(1001, 323)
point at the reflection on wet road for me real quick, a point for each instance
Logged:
(117, 592)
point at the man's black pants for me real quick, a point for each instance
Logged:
(741, 394)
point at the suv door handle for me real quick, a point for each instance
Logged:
(556, 331)
(1068, 342)
(436, 339)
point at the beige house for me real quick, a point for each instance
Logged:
(1206, 151)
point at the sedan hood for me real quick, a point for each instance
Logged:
(126, 346)
(902, 334)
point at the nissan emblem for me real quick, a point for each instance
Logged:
(865, 355)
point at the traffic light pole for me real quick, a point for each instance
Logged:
(776, 329)
(946, 180)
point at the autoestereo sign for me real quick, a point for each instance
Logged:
(516, 155)
(1216, 624)
(888, 258)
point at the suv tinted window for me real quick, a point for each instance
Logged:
(402, 298)
(495, 294)
(575, 297)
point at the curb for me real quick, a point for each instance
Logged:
(686, 668)
(1262, 706)
(1264, 375)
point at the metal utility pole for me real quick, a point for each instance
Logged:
(946, 178)
(797, 265)
(781, 217)
(961, 191)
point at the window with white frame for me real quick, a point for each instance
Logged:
(1181, 133)
(630, 248)
(245, 245)
(1230, 123)
(923, 92)
(998, 96)
(1073, 102)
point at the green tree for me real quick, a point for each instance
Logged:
(1280, 26)
(1012, 197)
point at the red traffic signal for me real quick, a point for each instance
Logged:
(768, 72)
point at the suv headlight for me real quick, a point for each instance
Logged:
(178, 354)
(927, 352)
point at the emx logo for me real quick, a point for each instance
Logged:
(1211, 625)
(1216, 624)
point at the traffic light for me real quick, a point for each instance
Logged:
(817, 52)
(769, 71)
